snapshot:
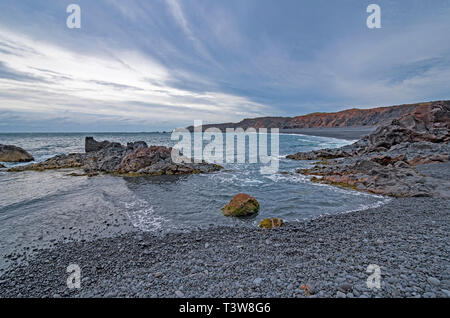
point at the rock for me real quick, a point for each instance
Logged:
(345, 288)
(270, 223)
(419, 160)
(144, 157)
(241, 205)
(257, 281)
(340, 294)
(179, 294)
(429, 295)
(381, 163)
(158, 274)
(434, 281)
(135, 159)
(91, 145)
(2, 166)
(386, 160)
(10, 153)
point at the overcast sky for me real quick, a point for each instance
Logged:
(159, 64)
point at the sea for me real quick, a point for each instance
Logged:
(40, 208)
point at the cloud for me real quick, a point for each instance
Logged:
(161, 64)
(48, 79)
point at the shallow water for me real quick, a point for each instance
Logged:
(46, 206)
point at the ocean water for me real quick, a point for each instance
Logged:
(44, 207)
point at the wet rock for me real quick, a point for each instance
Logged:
(270, 223)
(241, 205)
(10, 153)
(132, 160)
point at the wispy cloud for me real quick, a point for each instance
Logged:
(160, 64)
(51, 80)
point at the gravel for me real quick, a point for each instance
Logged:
(331, 254)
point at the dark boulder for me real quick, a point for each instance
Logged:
(91, 145)
(10, 153)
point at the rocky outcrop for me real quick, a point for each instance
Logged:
(10, 153)
(134, 159)
(91, 145)
(346, 118)
(241, 205)
(383, 162)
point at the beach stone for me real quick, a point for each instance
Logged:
(257, 281)
(434, 281)
(429, 295)
(345, 287)
(241, 205)
(179, 294)
(158, 274)
(340, 294)
(10, 153)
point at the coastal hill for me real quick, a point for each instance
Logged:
(347, 118)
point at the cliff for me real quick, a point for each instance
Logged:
(347, 118)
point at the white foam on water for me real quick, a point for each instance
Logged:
(142, 216)
(292, 177)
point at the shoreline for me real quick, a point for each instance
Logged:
(406, 237)
(346, 133)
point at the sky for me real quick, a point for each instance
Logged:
(159, 64)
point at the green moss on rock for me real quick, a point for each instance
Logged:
(270, 223)
(241, 205)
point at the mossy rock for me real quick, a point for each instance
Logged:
(271, 223)
(241, 205)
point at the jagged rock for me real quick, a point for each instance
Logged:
(91, 145)
(419, 160)
(10, 153)
(57, 162)
(382, 162)
(134, 159)
(144, 157)
(241, 205)
(386, 160)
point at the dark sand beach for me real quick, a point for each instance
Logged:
(348, 133)
(407, 238)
